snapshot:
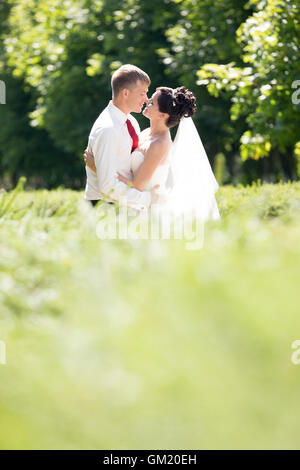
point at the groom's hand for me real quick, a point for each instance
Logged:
(89, 160)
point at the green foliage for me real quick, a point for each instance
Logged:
(261, 91)
(62, 54)
(239, 57)
(143, 344)
(205, 32)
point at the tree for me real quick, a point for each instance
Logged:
(261, 89)
(204, 33)
(63, 53)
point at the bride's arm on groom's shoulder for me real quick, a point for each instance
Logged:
(153, 157)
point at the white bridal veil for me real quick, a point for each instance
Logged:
(192, 182)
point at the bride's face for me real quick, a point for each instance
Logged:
(151, 110)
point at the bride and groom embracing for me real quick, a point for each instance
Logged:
(146, 169)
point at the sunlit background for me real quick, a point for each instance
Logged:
(240, 58)
(143, 344)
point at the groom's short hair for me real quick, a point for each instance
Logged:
(126, 77)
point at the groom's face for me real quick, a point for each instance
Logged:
(137, 96)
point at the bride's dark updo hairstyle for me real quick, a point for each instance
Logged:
(178, 103)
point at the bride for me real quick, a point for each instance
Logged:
(181, 170)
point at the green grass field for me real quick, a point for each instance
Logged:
(143, 344)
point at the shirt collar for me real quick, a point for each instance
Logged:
(117, 113)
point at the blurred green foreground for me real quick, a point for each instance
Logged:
(143, 344)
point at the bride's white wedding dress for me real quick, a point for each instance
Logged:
(159, 176)
(185, 178)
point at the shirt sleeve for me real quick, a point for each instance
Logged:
(104, 148)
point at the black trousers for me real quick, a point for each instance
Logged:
(94, 201)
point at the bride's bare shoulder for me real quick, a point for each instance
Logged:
(165, 142)
(158, 149)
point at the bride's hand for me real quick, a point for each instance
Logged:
(125, 180)
(89, 160)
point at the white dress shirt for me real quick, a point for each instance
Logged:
(111, 145)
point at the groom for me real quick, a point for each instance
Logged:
(113, 137)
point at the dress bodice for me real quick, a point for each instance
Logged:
(159, 176)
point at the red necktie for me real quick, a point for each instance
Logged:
(133, 135)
